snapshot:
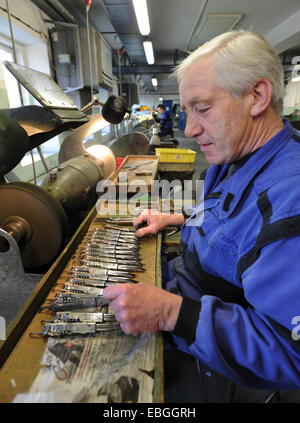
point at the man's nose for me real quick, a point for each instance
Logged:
(193, 127)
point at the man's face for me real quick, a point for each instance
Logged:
(220, 123)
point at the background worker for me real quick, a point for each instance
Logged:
(165, 121)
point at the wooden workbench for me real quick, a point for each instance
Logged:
(136, 171)
(20, 354)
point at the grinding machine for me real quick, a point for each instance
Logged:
(35, 220)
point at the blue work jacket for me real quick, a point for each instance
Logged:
(166, 123)
(239, 269)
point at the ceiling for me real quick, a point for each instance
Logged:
(179, 26)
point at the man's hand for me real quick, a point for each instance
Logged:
(143, 308)
(156, 222)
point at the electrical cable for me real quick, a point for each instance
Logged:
(120, 76)
(13, 46)
(33, 167)
(89, 50)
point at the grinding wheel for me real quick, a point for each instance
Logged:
(72, 145)
(133, 143)
(43, 215)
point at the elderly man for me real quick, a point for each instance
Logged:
(231, 299)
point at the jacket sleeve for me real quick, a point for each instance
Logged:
(254, 346)
(165, 117)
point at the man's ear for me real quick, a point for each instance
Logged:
(261, 96)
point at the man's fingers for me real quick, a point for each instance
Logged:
(148, 230)
(112, 292)
(127, 330)
(141, 218)
(142, 232)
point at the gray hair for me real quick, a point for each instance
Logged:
(241, 59)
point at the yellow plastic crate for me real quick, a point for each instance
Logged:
(175, 155)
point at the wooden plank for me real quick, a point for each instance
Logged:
(133, 174)
(158, 391)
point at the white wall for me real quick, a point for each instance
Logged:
(36, 57)
(29, 23)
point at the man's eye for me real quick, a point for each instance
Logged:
(201, 111)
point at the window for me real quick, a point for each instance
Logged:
(10, 81)
(48, 149)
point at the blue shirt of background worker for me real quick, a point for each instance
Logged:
(165, 121)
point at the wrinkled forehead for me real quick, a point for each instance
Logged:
(198, 80)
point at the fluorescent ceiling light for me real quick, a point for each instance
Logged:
(142, 17)
(149, 52)
(154, 82)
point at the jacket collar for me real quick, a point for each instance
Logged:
(233, 187)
